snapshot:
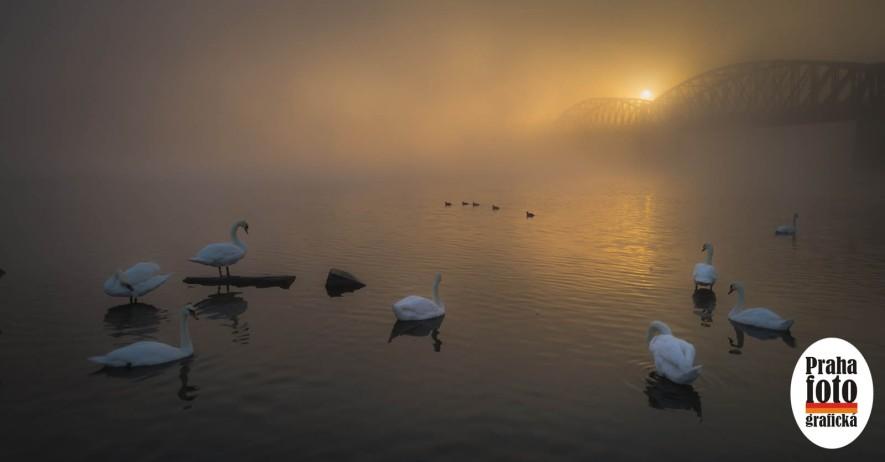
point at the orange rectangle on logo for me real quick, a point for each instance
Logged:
(831, 408)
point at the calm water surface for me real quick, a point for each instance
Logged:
(542, 354)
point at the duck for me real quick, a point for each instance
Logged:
(529, 214)
(757, 317)
(140, 279)
(150, 353)
(465, 203)
(417, 308)
(674, 357)
(476, 204)
(495, 207)
(448, 204)
(787, 230)
(704, 273)
(224, 253)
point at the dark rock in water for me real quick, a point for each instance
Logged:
(338, 282)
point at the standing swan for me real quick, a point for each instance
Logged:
(674, 357)
(415, 308)
(758, 317)
(704, 273)
(787, 230)
(224, 253)
(150, 353)
(136, 281)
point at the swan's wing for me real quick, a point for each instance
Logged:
(414, 307)
(687, 351)
(221, 253)
(145, 353)
(151, 284)
(760, 315)
(704, 273)
(113, 288)
(672, 354)
(141, 272)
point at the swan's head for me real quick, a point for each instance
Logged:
(243, 224)
(706, 246)
(438, 278)
(124, 281)
(189, 310)
(736, 286)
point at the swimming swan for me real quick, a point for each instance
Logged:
(150, 353)
(758, 317)
(136, 281)
(224, 253)
(415, 308)
(704, 273)
(674, 357)
(787, 230)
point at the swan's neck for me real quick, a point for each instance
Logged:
(739, 306)
(233, 236)
(186, 346)
(709, 259)
(436, 293)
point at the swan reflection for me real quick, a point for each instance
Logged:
(704, 301)
(136, 319)
(422, 328)
(227, 306)
(185, 391)
(664, 394)
(737, 343)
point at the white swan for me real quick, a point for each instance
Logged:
(136, 281)
(704, 273)
(151, 353)
(674, 357)
(788, 230)
(415, 308)
(758, 317)
(224, 253)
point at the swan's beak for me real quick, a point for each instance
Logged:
(193, 313)
(730, 290)
(246, 228)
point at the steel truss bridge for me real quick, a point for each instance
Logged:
(755, 93)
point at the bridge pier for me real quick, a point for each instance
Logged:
(869, 144)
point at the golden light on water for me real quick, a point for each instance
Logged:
(647, 95)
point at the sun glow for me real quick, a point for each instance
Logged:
(646, 95)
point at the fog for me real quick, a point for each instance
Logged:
(362, 88)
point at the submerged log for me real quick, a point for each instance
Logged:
(283, 282)
(339, 281)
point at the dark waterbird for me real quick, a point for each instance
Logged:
(495, 207)
(465, 203)
(476, 204)
(529, 214)
(448, 204)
